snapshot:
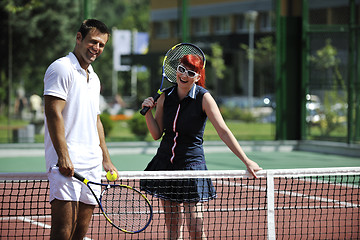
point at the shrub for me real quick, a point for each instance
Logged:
(248, 117)
(235, 113)
(226, 113)
(138, 126)
(107, 123)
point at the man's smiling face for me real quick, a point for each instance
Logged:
(90, 47)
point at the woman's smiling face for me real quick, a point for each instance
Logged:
(186, 76)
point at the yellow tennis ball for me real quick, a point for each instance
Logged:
(111, 177)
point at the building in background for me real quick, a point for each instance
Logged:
(226, 22)
(216, 21)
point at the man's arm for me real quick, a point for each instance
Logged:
(107, 164)
(54, 119)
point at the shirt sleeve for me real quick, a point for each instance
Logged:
(57, 80)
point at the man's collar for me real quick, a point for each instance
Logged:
(75, 63)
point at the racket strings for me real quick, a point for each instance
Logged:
(126, 208)
(173, 57)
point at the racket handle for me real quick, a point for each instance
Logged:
(79, 177)
(146, 109)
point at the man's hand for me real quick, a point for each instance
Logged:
(66, 167)
(108, 166)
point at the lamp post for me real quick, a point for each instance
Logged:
(10, 69)
(184, 21)
(87, 9)
(251, 19)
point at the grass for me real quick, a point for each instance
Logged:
(242, 131)
(337, 135)
(122, 132)
(7, 128)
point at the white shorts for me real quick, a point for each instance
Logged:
(71, 189)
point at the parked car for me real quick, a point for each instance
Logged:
(269, 100)
(258, 109)
(314, 109)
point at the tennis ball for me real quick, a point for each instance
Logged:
(111, 177)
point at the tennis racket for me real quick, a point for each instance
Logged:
(126, 208)
(170, 64)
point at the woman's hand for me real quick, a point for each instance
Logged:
(252, 167)
(148, 102)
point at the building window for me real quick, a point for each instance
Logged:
(317, 16)
(162, 29)
(340, 15)
(240, 24)
(201, 26)
(265, 21)
(176, 29)
(222, 25)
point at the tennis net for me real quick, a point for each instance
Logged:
(279, 204)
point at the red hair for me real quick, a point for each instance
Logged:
(195, 63)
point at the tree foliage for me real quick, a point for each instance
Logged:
(217, 60)
(125, 14)
(334, 109)
(36, 33)
(264, 57)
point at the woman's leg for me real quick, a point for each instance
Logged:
(194, 220)
(173, 219)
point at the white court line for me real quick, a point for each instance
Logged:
(29, 219)
(36, 223)
(289, 193)
(341, 204)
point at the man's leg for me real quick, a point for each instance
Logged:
(70, 220)
(83, 220)
(63, 219)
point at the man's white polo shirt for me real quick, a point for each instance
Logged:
(66, 79)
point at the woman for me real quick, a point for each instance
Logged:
(180, 118)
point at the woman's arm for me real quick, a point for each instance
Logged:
(212, 111)
(155, 124)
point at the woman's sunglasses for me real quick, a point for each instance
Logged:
(181, 69)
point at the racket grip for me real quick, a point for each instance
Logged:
(79, 177)
(146, 109)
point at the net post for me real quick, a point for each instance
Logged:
(270, 206)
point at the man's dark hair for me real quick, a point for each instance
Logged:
(89, 24)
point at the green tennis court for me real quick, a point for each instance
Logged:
(135, 159)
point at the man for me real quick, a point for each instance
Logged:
(74, 134)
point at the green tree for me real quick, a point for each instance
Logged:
(264, 59)
(217, 60)
(45, 30)
(334, 106)
(36, 32)
(126, 15)
(217, 65)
